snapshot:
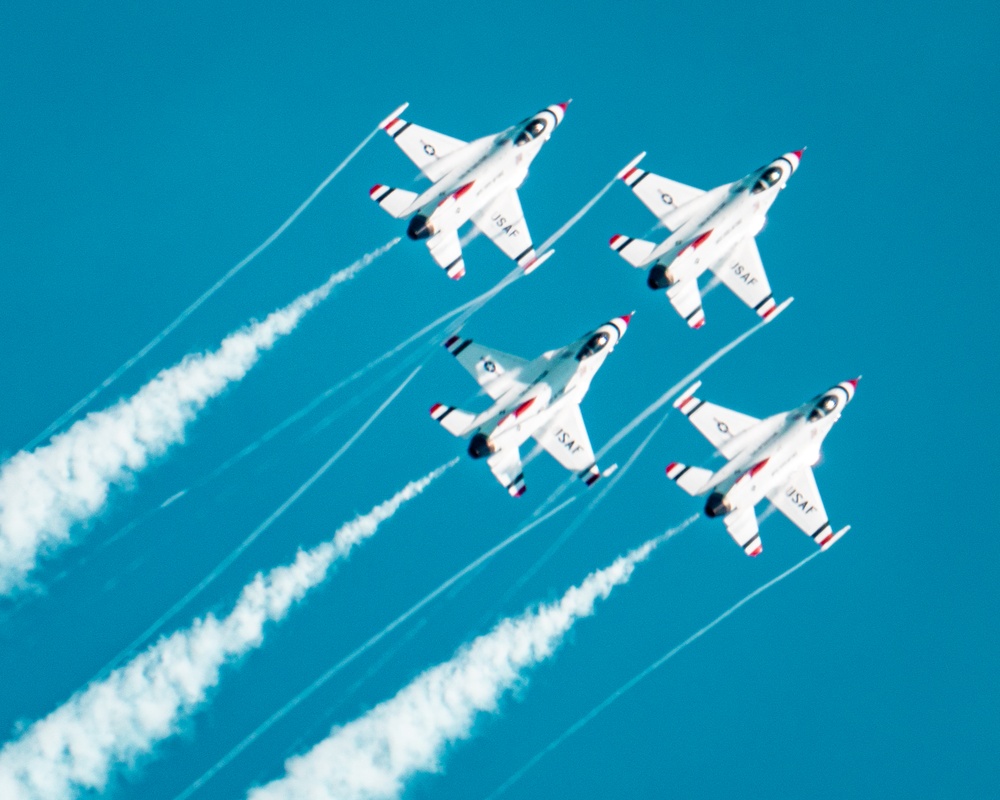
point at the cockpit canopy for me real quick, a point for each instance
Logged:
(826, 405)
(767, 179)
(531, 131)
(595, 344)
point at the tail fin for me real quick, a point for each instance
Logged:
(691, 479)
(453, 420)
(396, 202)
(635, 251)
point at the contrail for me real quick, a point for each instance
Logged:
(583, 515)
(373, 756)
(555, 237)
(682, 383)
(646, 672)
(651, 409)
(465, 311)
(306, 693)
(45, 492)
(256, 532)
(121, 718)
(187, 312)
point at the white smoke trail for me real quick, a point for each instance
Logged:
(311, 689)
(256, 532)
(374, 755)
(463, 313)
(45, 492)
(625, 687)
(187, 312)
(574, 526)
(115, 721)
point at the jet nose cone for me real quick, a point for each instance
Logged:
(558, 110)
(622, 322)
(794, 158)
(850, 387)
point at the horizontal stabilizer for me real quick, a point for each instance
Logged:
(396, 202)
(507, 469)
(742, 526)
(635, 251)
(446, 250)
(453, 420)
(691, 479)
(686, 300)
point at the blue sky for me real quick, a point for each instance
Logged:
(148, 150)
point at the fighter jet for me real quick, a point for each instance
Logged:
(539, 398)
(707, 230)
(770, 458)
(475, 181)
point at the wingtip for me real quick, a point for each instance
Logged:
(537, 261)
(624, 171)
(834, 539)
(776, 311)
(687, 394)
(389, 119)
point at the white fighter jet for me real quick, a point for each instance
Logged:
(475, 181)
(770, 458)
(707, 230)
(539, 398)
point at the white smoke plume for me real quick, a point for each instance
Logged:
(187, 312)
(374, 755)
(43, 493)
(120, 718)
(645, 673)
(359, 651)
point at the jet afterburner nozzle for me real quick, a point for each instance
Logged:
(658, 278)
(716, 506)
(417, 229)
(480, 446)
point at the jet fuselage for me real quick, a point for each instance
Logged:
(773, 450)
(478, 173)
(718, 222)
(543, 387)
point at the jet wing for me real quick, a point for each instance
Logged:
(686, 300)
(660, 195)
(718, 424)
(743, 273)
(494, 371)
(505, 464)
(800, 501)
(503, 222)
(566, 440)
(421, 145)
